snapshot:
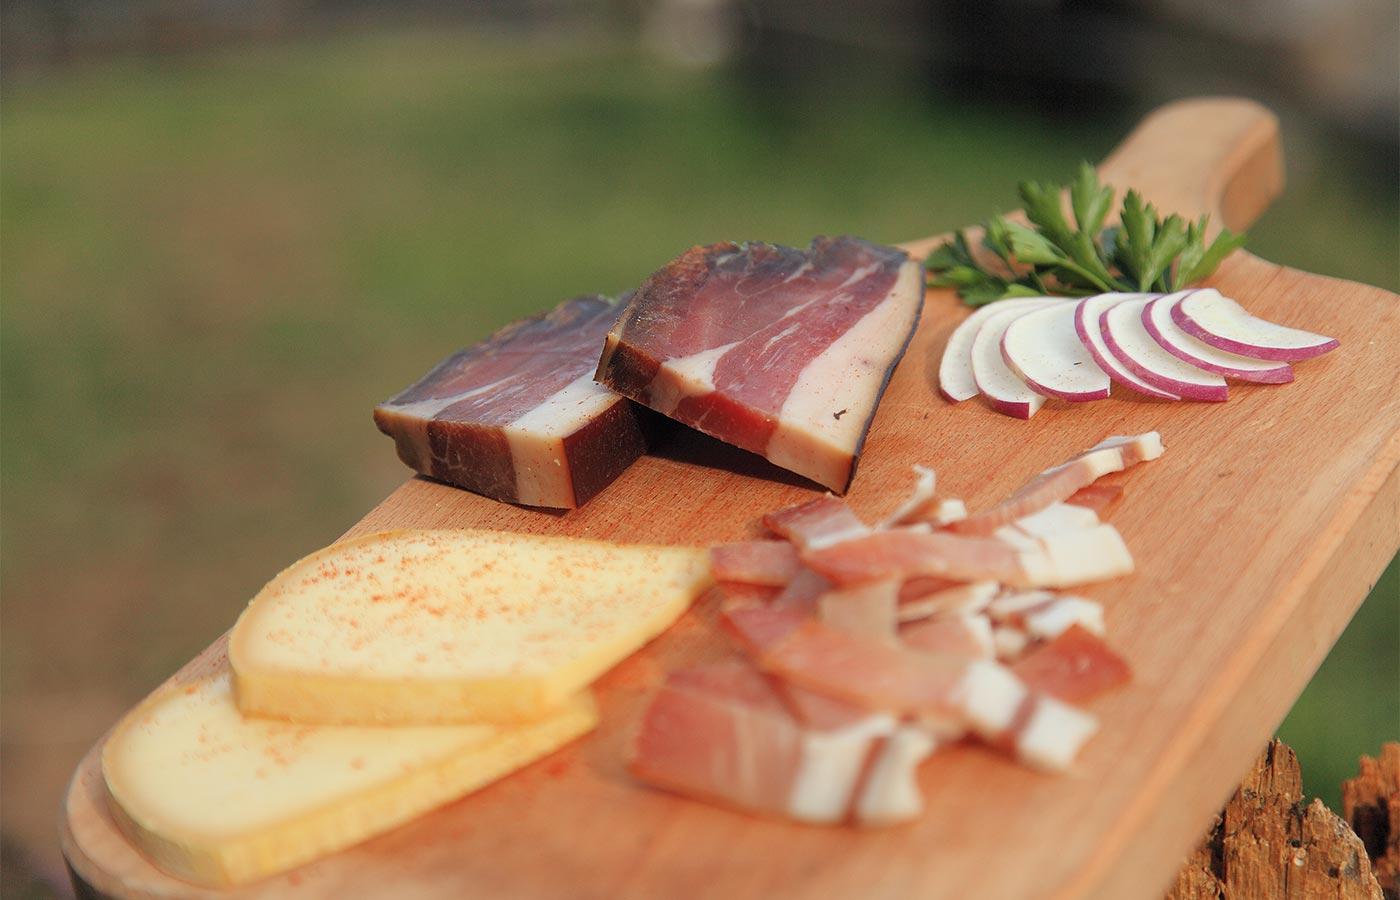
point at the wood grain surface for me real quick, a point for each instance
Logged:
(1256, 535)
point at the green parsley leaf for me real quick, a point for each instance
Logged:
(1141, 253)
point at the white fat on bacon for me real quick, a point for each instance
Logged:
(1053, 734)
(920, 506)
(1042, 615)
(955, 599)
(830, 767)
(1044, 732)
(891, 794)
(1060, 482)
(823, 421)
(1073, 558)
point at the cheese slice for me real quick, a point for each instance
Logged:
(217, 798)
(451, 626)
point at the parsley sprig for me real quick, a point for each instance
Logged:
(1142, 253)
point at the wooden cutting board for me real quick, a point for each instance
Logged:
(1257, 535)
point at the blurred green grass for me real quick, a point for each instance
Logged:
(213, 267)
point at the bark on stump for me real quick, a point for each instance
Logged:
(1371, 803)
(1268, 845)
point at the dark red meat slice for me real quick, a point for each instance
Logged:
(1075, 666)
(778, 351)
(518, 416)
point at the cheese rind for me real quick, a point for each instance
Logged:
(452, 626)
(217, 798)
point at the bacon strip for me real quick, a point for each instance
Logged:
(904, 554)
(724, 733)
(1061, 482)
(1098, 497)
(772, 563)
(869, 610)
(868, 672)
(816, 523)
(1076, 666)
(969, 636)
(923, 597)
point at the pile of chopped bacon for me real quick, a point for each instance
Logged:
(864, 648)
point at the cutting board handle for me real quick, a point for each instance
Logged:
(1219, 156)
(1214, 155)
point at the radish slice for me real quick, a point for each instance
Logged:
(1087, 313)
(1128, 340)
(1157, 319)
(955, 380)
(1223, 323)
(1043, 348)
(1003, 388)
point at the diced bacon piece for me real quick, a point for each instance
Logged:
(832, 768)
(1053, 734)
(922, 505)
(802, 592)
(989, 695)
(1076, 666)
(865, 671)
(1010, 641)
(1059, 483)
(1065, 613)
(969, 636)
(518, 416)
(904, 554)
(816, 523)
(890, 793)
(920, 598)
(869, 610)
(760, 630)
(737, 595)
(818, 711)
(721, 732)
(1098, 497)
(1042, 731)
(778, 351)
(1043, 615)
(1012, 606)
(1057, 518)
(1073, 558)
(772, 563)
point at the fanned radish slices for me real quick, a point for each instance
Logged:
(1087, 315)
(1003, 388)
(1157, 319)
(1222, 323)
(1042, 347)
(955, 380)
(1128, 340)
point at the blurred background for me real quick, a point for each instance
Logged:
(229, 227)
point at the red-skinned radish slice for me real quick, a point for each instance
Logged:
(1043, 348)
(1087, 313)
(1128, 340)
(1223, 323)
(1005, 391)
(955, 380)
(1157, 319)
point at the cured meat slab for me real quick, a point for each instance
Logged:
(778, 351)
(1256, 536)
(518, 417)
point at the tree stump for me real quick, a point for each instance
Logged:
(1268, 845)
(1371, 803)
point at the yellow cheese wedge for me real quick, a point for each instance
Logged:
(452, 626)
(218, 798)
